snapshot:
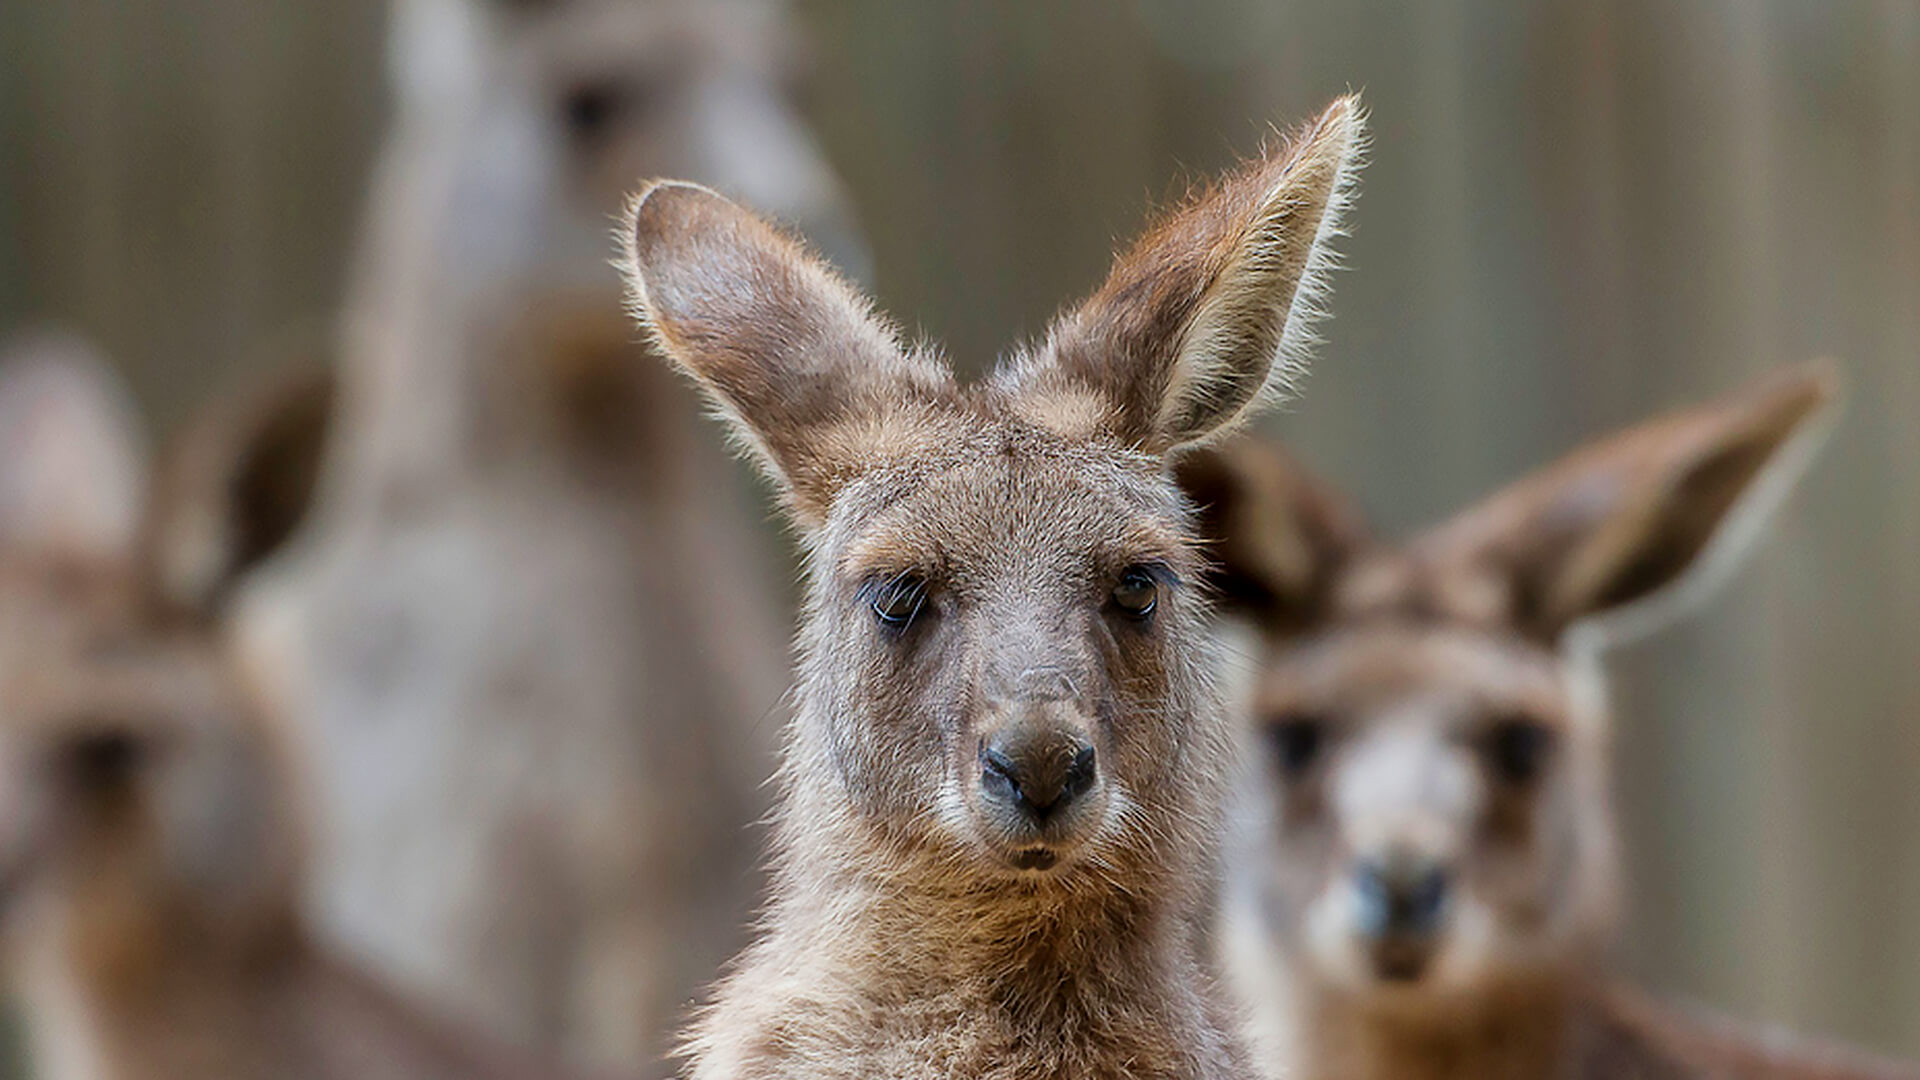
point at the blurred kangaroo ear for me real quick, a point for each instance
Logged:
(1622, 519)
(1211, 312)
(234, 487)
(72, 470)
(810, 380)
(1277, 535)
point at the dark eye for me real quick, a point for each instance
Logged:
(103, 758)
(1138, 593)
(1517, 749)
(898, 600)
(1297, 740)
(591, 109)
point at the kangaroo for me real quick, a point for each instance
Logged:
(526, 635)
(1424, 883)
(150, 843)
(999, 791)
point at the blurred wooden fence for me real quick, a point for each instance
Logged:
(1576, 213)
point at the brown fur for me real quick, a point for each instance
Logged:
(150, 848)
(1429, 705)
(527, 635)
(918, 925)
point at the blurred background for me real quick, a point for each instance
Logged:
(1575, 214)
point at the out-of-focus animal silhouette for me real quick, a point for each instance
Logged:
(151, 845)
(1425, 885)
(527, 634)
(1001, 787)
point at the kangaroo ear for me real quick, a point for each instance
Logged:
(1212, 311)
(1626, 517)
(72, 470)
(810, 380)
(234, 487)
(1277, 535)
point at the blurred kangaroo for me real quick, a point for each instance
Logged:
(1426, 881)
(1000, 789)
(150, 846)
(527, 634)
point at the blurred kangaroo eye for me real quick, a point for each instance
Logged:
(1517, 749)
(591, 109)
(1297, 740)
(1137, 594)
(897, 601)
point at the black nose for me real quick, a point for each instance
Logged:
(1037, 772)
(1401, 897)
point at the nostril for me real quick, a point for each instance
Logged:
(1400, 899)
(999, 776)
(1425, 898)
(1080, 774)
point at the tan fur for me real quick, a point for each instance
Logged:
(150, 849)
(1430, 706)
(919, 924)
(528, 635)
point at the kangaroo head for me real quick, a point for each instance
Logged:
(1003, 669)
(138, 798)
(541, 112)
(1429, 814)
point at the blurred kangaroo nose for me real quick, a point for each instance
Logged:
(1038, 771)
(1401, 897)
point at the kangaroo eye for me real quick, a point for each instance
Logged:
(1137, 594)
(1297, 740)
(897, 601)
(1517, 749)
(592, 109)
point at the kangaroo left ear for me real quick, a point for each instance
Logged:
(1631, 515)
(234, 487)
(1277, 534)
(1212, 311)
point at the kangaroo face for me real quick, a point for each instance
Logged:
(539, 114)
(1010, 606)
(1428, 799)
(1428, 806)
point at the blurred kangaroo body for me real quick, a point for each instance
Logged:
(1001, 783)
(150, 847)
(528, 637)
(1425, 880)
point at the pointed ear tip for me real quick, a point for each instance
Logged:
(1344, 119)
(1806, 393)
(653, 197)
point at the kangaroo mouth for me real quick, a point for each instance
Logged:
(1402, 961)
(1035, 858)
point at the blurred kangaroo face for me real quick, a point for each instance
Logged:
(542, 112)
(1434, 809)
(124, 760)
(134, 777)
(1004, 664)
(1429, 766)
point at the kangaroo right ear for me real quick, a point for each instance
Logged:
(235, 486)
(1277, 535)
(1625, 518)
(72, 470)
(809, 378)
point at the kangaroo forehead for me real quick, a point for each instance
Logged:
(1371, 664)
(1006, 488)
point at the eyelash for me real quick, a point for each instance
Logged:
(896, 601)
